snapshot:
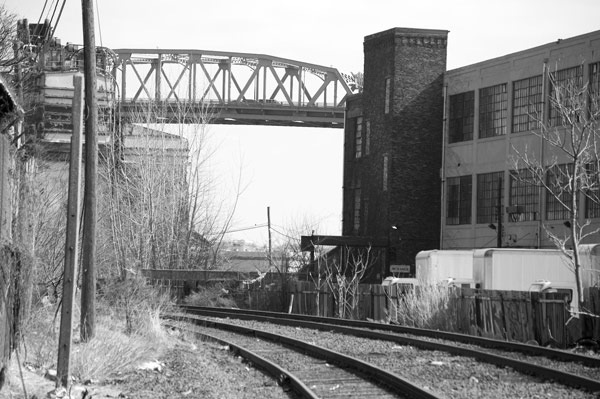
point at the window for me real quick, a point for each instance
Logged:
(592, 192)
(357, 195)
(358, 137)
(365, 219)
(492, 111)
(594, 87)
(523, 196)
(388, 94)
(489, 197)
(528, 104)
(368, 138)
(462, 110)
(458, 204)
(558, 181)
(385, 171)
(564, 85)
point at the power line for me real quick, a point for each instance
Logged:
(256, 226)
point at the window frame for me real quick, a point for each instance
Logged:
(493, 110)
(554, 209)
(523, 193)
(490, 188)
(461, 117)
(459, 200)
(527, 104)
(358, 137)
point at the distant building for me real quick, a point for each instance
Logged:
(427, 151)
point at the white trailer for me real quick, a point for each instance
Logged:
(453, 267)
(514, 269)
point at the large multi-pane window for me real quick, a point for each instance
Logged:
(388, 95)
(528, 104)
(493, 110)
(558, 198)
(489, 196)
(358, 137)
(592, 192)
(458, 203)
(564, 86)
(462, 111)
(523, 196)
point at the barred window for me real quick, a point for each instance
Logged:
(489, 193)
(559, 192)
(493, 103)
(358, 137)
(563, 86)
(528, 104)
(523, 196)
(594, 87)
(592, 192)
(462, 111)
(388, 95)
(458, 203)
(368, 137)
(357, 207)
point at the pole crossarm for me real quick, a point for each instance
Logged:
(307, 243)
(240, 88)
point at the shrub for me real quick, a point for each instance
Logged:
(426, 306)
(216, 296)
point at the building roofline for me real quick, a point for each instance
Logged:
(544, 47)
(407, 32)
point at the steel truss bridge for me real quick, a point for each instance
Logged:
(182, 86)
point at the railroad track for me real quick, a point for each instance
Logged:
(567, 368)
(308, 370)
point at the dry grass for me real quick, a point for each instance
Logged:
(117, 347)
(425, 307)
(216, 296)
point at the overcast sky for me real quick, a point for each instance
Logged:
(298, 172)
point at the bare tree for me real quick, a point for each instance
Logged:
(160, 201)
(343, 274)
(570, 168)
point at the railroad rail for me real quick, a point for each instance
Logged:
(393, 333)
(334, 375)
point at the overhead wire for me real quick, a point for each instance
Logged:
(58, 18)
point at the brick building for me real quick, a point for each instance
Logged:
(429, 153)
(393, 140)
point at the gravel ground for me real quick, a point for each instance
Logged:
(446, 375)
(199, 370)
(191, 369)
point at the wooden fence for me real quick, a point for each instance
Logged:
(510, 315)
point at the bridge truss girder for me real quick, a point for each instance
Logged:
(238, 88)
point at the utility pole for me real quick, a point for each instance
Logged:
(72, 239)
(88, 278)
(269, 228)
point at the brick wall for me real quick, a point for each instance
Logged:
(410, 135)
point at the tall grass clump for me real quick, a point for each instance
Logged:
(128, 332)
(110, 352)
(215, 296)
(426, 306)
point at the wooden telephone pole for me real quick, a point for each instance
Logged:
(88, 277)
(72, 240)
